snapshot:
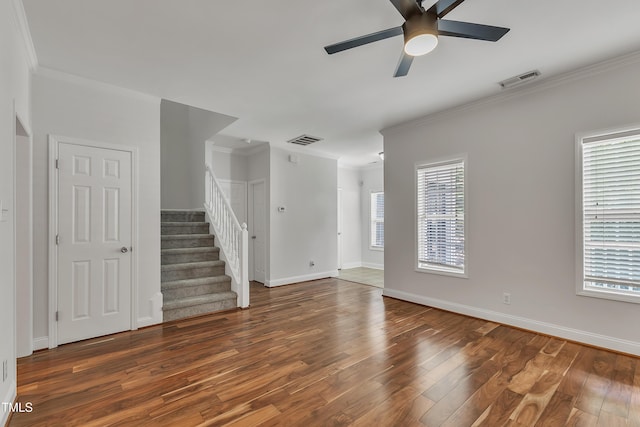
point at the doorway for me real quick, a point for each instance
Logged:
(92, 239)
(257, 231)
(23, 238)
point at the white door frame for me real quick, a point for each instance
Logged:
(26, 306)
(251, 184)
(54, 141)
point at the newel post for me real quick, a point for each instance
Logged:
(244, 267)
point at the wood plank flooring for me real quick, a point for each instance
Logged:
(329, 352)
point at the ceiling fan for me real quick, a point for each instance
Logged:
(421, 30)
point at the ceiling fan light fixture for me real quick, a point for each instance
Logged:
(420, 34)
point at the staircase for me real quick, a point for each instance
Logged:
(193, 278)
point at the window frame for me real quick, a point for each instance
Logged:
(372, 220)
(580, 140)
(463, 159)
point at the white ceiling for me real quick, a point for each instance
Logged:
(264, 62)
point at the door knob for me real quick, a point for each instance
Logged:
(124, 250)
(253, 237)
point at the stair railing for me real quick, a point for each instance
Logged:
(232, 236)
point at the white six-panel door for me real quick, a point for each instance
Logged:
(257, 233)
(95, 238)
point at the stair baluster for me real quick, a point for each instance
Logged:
(233, 237)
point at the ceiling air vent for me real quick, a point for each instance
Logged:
(518, 80)
(304, 140)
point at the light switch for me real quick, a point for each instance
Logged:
(4, 212)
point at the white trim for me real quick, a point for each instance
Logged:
(348, 265)
(307, 151)
(245, 151)
(539, 85)
(224, 150)
(585, 337)
(593, 136)
(440, 161)
(23, 27)
(373, 265)
(10, 397)
(298, 279)
(54, 141)
(40, 343)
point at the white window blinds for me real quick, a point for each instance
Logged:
(377, 220)
(611, 214)
(441, 213)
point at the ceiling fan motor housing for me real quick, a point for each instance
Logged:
(423, 29)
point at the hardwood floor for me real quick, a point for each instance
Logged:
(329, 352)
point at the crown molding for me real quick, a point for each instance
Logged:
(307, 151)
(224, 150)
(520, 91)
(247, 151)
(23, 27)
(94, 84)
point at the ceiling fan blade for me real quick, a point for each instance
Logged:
(362, 40)
(403, 66)
(469, 30)
(443, 7)
(407, 8)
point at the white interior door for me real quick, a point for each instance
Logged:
(236, 192)
(257, 233)
(95, 237)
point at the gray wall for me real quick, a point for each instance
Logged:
(307, 230)
(372, 180)
(183, 132)
(14, 89)
(349, 183)
(521, 204)
(73, 107)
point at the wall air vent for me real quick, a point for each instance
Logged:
(304, 140)
(518, 80)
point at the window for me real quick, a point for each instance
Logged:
(609, 251)
(376, 227)
(441, 216)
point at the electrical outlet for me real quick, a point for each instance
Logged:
(5, 370)
(506, 298)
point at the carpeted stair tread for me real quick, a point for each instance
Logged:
(185, 236)
(196, 282)
(193, 279)
(188, 265)
(198, 300)
(194, 250)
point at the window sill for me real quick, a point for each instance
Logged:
(376, 248)
(613, 296)
(463, 275)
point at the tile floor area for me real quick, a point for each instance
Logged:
(367, 276)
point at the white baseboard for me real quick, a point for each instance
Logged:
(40, 343)
(298, 279)
(625, 346)
(372, 265)
(348, 265)
(10, 397)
